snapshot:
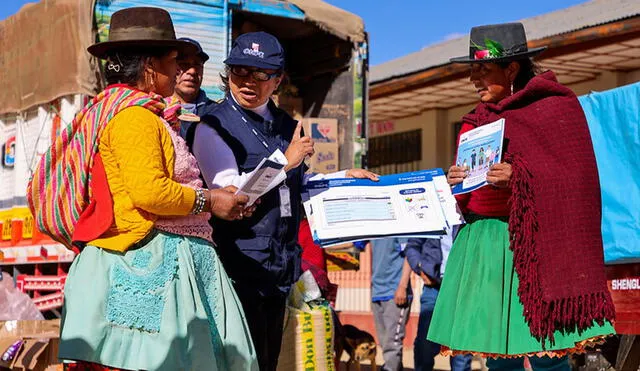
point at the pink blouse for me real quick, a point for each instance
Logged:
(186, 173)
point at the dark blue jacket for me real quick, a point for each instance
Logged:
(425, 255)
(261, 253)
(200, 107)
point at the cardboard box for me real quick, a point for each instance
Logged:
(39, 351)
(321, 130)
(324, 132)
(325, 159)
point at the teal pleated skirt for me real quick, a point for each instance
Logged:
(168, 305)
(478, 309)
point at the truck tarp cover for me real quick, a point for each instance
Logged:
(43, 48)
(43, 54)
(341, 23)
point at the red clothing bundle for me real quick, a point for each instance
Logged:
(314, 259)
(553, 206)
(312, 254)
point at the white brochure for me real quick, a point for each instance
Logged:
(407, 204)
(267, 175)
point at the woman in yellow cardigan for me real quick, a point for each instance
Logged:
(148, 292)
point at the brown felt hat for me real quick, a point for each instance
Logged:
(140, 27)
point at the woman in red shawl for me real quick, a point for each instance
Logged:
(526, 275)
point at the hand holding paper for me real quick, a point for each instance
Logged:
(226, 203)
(268, 174)
(361, 174)
(456, 175)
(499, 175)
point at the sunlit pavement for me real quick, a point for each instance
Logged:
(442, 363)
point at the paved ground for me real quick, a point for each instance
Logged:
(442, 363)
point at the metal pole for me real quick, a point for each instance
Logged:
(226, 24)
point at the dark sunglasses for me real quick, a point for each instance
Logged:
(259, 75)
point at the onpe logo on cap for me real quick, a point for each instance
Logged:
(254, 51)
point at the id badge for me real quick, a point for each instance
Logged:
(285, 201)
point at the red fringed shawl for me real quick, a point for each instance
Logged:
(555, 212)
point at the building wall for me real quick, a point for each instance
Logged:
(630, 77)
(434, 134)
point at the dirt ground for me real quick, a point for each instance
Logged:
(442, 363)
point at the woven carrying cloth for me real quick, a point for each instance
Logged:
(59, 190)
(555, 211)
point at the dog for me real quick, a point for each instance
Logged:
(358, 344)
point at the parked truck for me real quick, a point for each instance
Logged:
(48, 76)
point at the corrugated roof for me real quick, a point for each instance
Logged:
(589, 14)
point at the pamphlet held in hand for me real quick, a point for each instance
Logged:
(478, 150)
(266, 176)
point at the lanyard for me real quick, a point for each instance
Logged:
(285, 198)
(258, 135)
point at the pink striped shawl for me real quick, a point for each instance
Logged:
(59, 189)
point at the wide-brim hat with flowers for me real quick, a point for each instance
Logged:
(140, 27)
(498, 43)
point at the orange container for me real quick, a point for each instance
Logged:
(5, 232)
(16, 231)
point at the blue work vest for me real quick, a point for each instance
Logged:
(260, 253)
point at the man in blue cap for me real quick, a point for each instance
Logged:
(188, 82)
(260, 253)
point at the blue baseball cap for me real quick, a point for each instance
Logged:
(256, 49)
(199, 52)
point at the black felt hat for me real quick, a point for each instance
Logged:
(498, 43)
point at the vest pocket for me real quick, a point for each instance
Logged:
(258, 253)
(265, 259)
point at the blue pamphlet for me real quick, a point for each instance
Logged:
(478, 149)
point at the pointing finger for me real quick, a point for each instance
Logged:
(296, 133)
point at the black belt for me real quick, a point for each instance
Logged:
(143, 242)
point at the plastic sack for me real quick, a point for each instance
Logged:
(307, 341)
(16, 305)
(305, 291)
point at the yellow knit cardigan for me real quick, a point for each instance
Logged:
(139, 158)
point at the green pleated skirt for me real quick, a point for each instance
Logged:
(168, 305)
(478, 309)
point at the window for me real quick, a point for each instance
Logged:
(395, 153)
